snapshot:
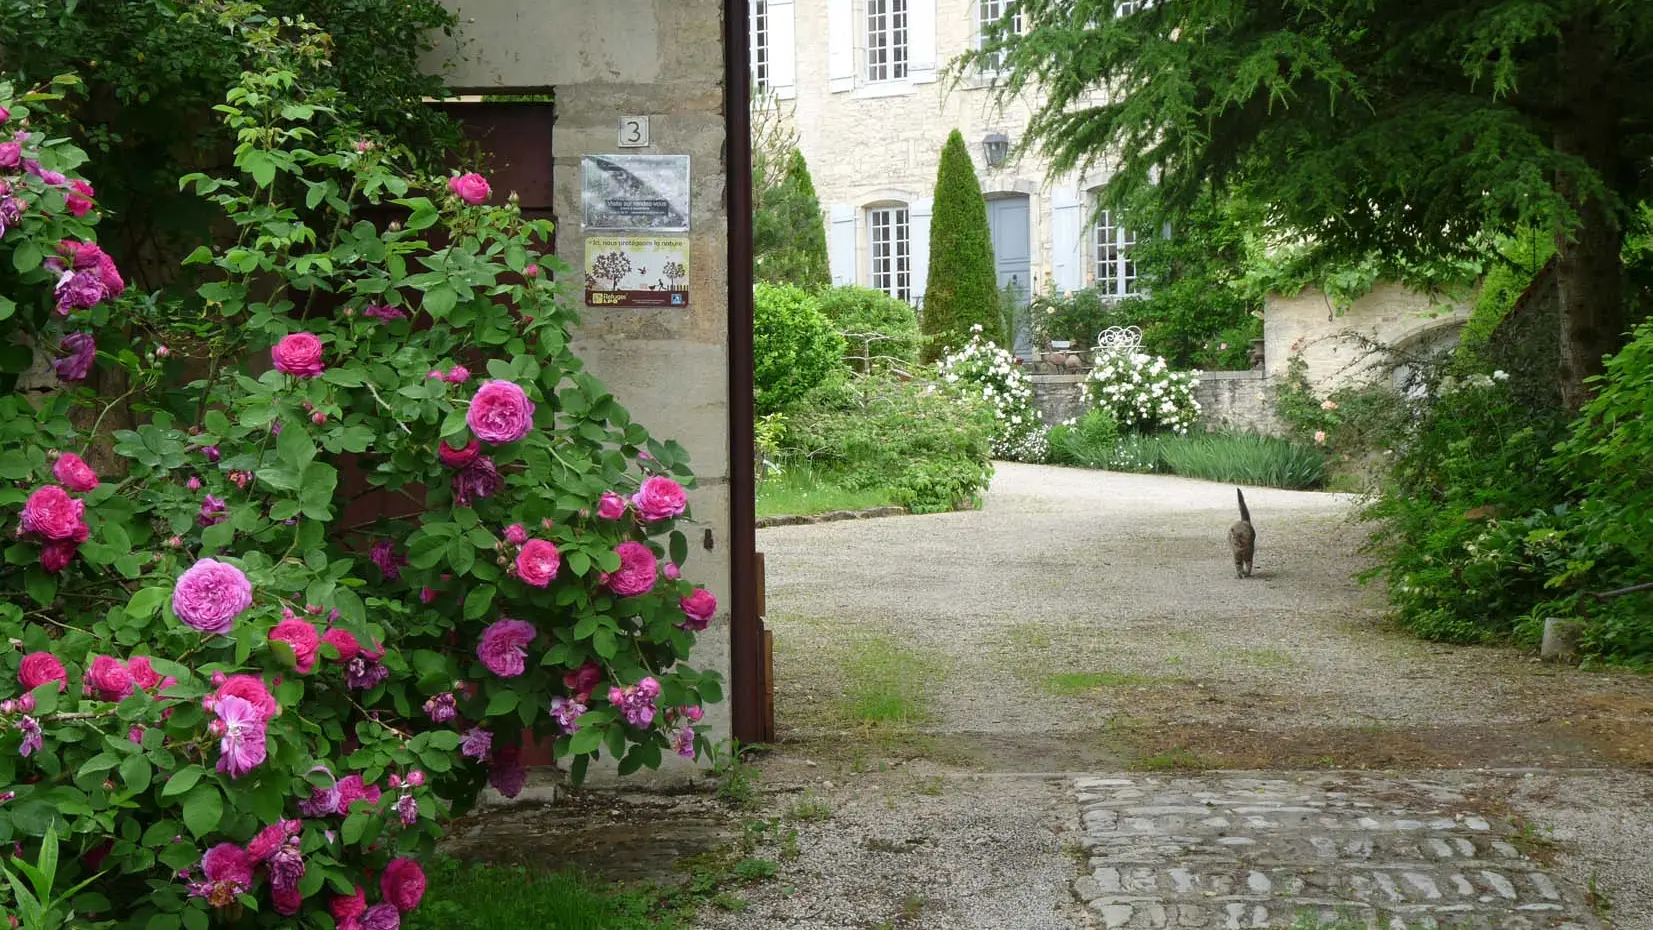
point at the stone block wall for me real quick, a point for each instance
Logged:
(1237, 401)
(1229, 400)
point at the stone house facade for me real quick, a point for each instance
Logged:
(866, 86)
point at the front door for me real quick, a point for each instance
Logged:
(1008, 220)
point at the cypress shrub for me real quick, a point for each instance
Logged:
(962, 289)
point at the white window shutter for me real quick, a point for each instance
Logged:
(1067, 237)
(841, 45)
(921, 41)
(783, 49)
(841, 244)
(918, 228)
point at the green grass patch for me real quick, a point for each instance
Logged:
(472, 896)
(1235, 458)
(1178, 759)
(888, 684)
(1071, 684)
(801, 491)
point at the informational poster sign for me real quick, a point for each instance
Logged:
(635, 193)
(636, 270)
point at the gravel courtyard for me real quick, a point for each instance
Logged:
(946, 686)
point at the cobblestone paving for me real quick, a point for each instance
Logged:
(1222, 852)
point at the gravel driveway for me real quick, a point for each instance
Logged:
(943, 682)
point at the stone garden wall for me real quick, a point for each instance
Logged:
(1229, 400)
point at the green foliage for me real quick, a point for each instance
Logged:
(1385, 132)
(1520, 258)
(1078, 317)
(154, 71)
(802, 489)
(962, 288)
(1606, 458)
(486, 897)
(929, 448)
(1089, 442)
(1244, 458)
(1469, 514)
(247, 465)
(874, 325)
(1191, 299)
(794, 347)
(789, 232)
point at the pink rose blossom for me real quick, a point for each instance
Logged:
(699, 608)
(638, 566)
(458, 374)
(660, 499)
(210, 595)
(503, 647)
(345, 642)
(80, 197)
(52, 514)
(11, 154)
(506, 775)
(74, 473)
(350, 907)
(299, 355)
(611, 506)
(39, 668)
(227, 862)
(538, 562)
(381, 917)
(457, 458)
(500, 412)
(476, 481)
(241, 728)
(108, 680)
(302, 638)
(582, 681)
(636, 702)
(56, 555)
(80, 350)
(567, 713)
(476, 743)
(1319, 436)
(672, 571)
(683, 742)
(353, 789)
(249, 688)
(471, 187)
(403, 884)
(390, 563)
(516, 534)
(441, 708)
(143, 673)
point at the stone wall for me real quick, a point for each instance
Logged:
(1237, 401)
(1332, 343)
(1229, 400)
(670, 367)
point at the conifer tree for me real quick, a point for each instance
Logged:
(962, 289)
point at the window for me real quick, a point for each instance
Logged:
(890, 248)
(1127, 7)
(1115, 272)
(886, 40)
(760, 44)
(991, 24)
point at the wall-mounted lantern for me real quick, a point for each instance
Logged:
(997, 148)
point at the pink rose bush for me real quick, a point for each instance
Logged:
(263, 657)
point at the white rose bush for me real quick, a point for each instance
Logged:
(983, 369)
(231, 704)
(1142, 392)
